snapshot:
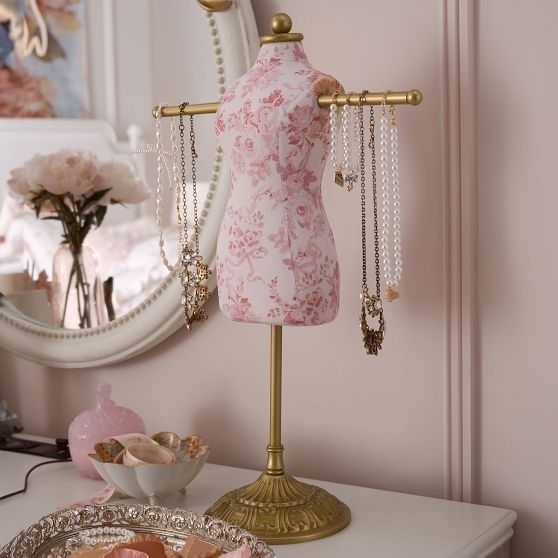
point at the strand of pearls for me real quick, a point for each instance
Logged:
(110, 536)
(384, 175)
(396, 193)
(161, 164)
(391, 203)
(333, 135)
(345, 131)
(163, 158)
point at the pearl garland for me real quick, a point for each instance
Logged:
(391, 208)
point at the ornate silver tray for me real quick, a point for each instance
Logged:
(56, 535)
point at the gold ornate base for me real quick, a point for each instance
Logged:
(282, 510)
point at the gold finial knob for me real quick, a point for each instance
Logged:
(281, 23)
(414, 97)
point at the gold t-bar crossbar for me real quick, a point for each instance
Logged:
(411, 97)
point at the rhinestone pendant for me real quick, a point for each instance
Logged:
(350, 180)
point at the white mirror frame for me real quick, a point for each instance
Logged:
(236, 43)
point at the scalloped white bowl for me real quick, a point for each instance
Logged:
(151, 481)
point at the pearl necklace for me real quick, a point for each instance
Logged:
(163, 158)
(344, 174)
(391, 210)
(338, 175)
(191, 269)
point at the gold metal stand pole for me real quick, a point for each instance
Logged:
(411, 97)
(275, 465)
(277, 508)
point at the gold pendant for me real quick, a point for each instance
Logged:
(192, 272)
(391, 294)
(199, 314)
(203, 272)
(372, 307)
(339, 178)
(201, 293)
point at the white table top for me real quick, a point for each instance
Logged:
(384, 524)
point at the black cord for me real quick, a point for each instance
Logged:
(27, 477)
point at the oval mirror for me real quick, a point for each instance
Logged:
(129, 301)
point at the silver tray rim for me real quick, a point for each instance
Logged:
(58, 526)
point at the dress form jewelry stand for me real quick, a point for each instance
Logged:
(277, 508)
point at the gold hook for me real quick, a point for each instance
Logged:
(384, 101)
(362, 97)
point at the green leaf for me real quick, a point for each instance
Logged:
(38, 202)
(100, 214)
(86, 227)
(94, 198)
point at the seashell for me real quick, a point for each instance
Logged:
(193, 446)
(108, 451)
(142, 454)
(168, 440)
(133, 438)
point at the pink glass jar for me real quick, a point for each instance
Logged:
(94, 425)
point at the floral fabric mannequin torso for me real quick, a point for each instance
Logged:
(276, 257)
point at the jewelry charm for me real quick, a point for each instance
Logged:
(338, 175)
(193, 271)
(371, 305)
(391, 211)
(349, 175)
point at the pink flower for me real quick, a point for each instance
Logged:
(125, 186)
(17, 182)
(65, 172)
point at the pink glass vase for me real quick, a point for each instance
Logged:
(94, 425)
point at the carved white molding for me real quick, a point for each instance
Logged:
(459, 170)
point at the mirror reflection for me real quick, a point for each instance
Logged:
(79, 237)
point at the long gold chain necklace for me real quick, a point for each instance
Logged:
(371, 305)
(193, 272)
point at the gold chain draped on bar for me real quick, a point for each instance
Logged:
(411, 97)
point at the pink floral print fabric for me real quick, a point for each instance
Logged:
(276, 257)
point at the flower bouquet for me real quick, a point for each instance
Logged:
(75, 188)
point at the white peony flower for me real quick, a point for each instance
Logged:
(67, 171)
(125, 186)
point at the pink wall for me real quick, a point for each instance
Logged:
(518, 269)
(449, 408)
